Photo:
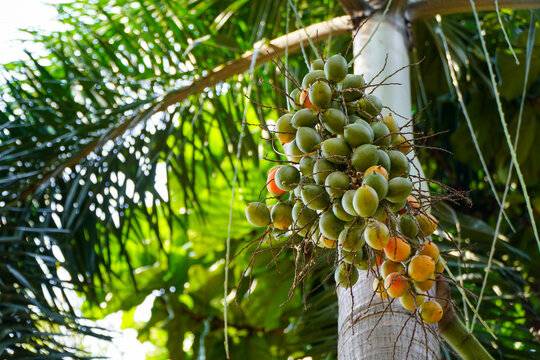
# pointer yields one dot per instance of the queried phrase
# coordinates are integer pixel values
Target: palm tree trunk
(368, 327)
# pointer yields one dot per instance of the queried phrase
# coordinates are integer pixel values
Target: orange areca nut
(430, 249)
(396, 284)
(424, 285)
(427, 223)
(271, 182)
(397, 249)
(389, 266)
(431, 312)
(421, 268)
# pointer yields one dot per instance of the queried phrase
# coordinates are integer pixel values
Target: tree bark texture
(368, 327)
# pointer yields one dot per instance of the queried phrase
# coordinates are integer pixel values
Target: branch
(274, 48)
(429, 8)
(267, 51)
(452, 329)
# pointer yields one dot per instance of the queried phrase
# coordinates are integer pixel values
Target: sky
(16, 14)
(38, 15)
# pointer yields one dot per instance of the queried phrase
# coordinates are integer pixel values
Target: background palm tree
(108, 198)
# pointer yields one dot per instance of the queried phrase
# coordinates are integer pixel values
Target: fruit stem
(454, 332)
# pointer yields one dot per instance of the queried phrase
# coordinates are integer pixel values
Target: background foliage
(147, 213)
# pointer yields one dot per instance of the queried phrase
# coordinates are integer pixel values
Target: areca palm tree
(119, 148)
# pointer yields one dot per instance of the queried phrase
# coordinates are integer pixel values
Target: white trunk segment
(395, 335)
